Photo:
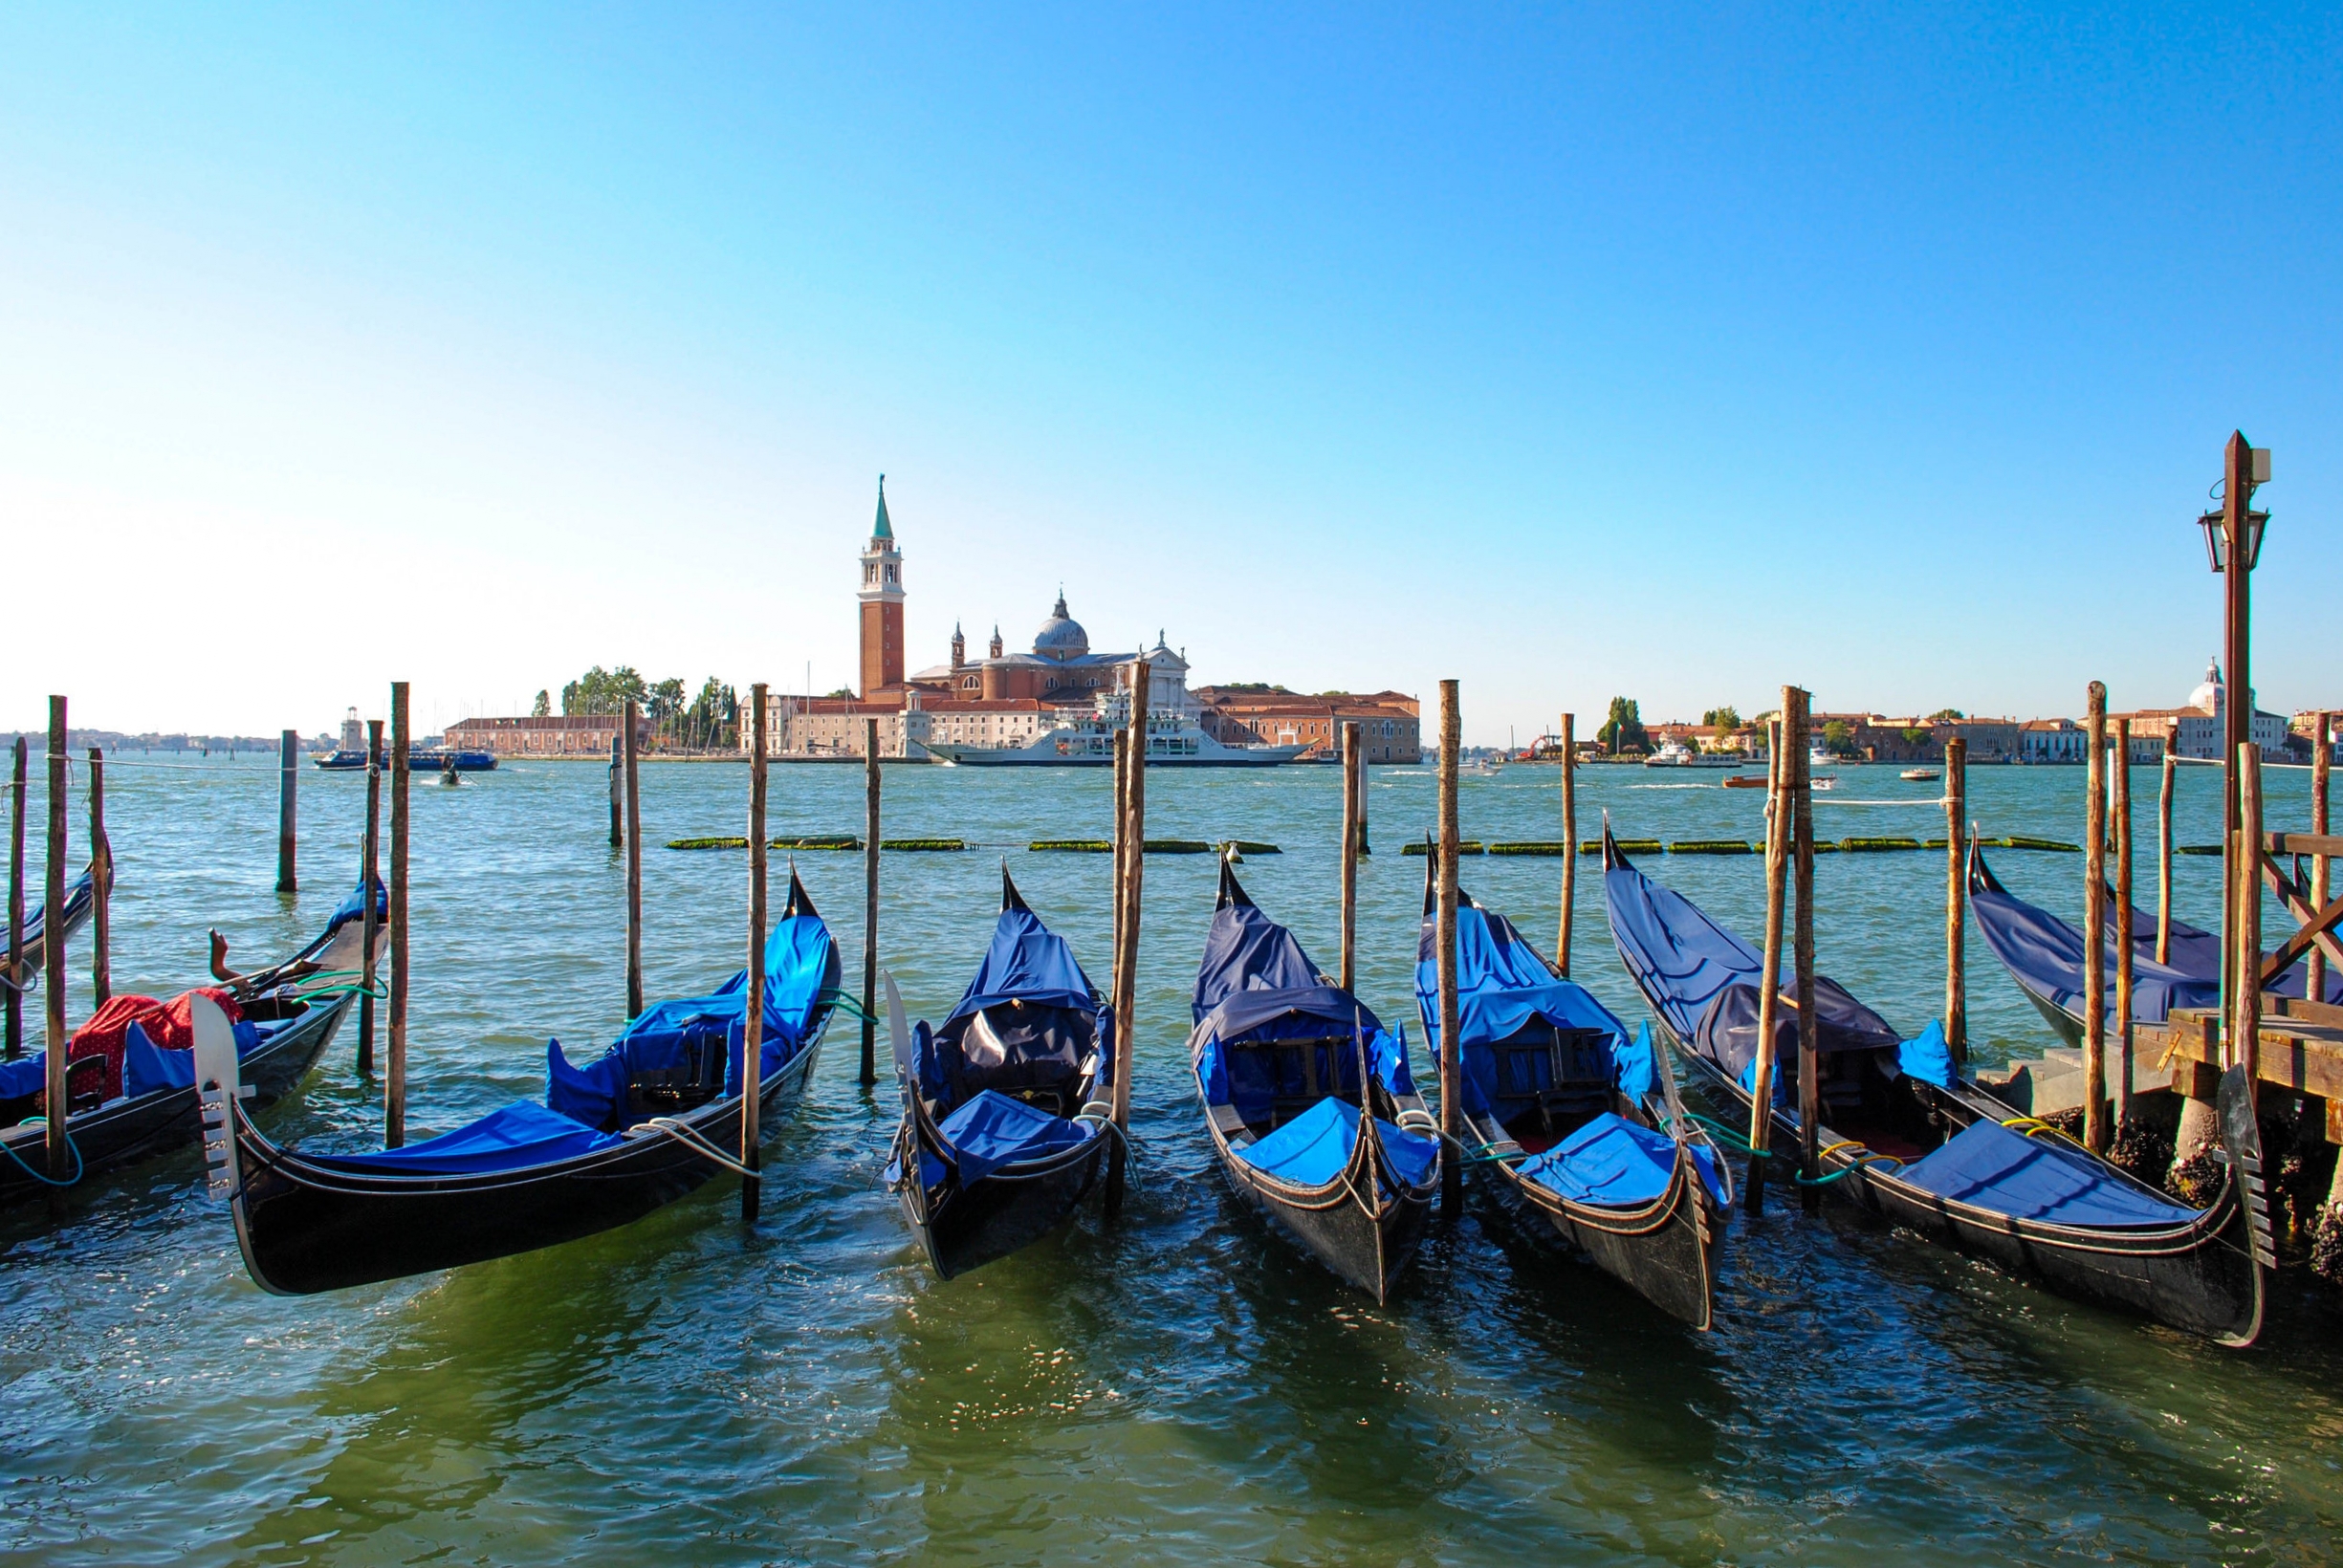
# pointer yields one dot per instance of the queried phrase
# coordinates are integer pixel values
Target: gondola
(647, 1123)
(130, 1084)
(81, 900)
(1006, 1115)
(1309, 1099)
(1908, 1140)
(2044, 955)
(1574, 1118)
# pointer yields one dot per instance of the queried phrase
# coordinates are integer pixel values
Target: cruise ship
(1172, 742)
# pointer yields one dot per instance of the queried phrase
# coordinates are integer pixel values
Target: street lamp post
(2233, 546)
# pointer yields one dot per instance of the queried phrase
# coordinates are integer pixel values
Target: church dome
(1061, 636)
(2207, 696)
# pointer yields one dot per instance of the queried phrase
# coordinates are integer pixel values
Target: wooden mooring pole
(2126, 1038)
(2163, 844)
(1809, 1038)
(53, 959)
(753, 1042)
(288, 809)
(631, 746)
(1569, 843)
(2094, 922)
(869, 1072)
(394, 1082)
(618, 798)
(1120, 845)
(2245, 894)
(1957, 904)
(1129, 830)
(369, 877)
(16, 907)
(1769, 974)
(2322, 758)
(101, 889)
(1351, 786)
(1444, 940)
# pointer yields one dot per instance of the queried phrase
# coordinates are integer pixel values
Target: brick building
(554, 735)
(1391, 723)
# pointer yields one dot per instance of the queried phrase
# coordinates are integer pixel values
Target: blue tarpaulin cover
(354, 906)
(1613, 1163)
(1028, 962)
(1989, 1166)
(993, 1130)
(1502, 986)
(519, 1135)
(1314, 1148)
(1638, 1065)
(1927, 1056)
(24, 1075)
(1004, 1031)
(1681, 958)
(146, 1067)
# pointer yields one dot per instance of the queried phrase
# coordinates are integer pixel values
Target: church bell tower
(882, 600)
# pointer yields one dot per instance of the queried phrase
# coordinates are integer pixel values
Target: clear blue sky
(1565, 351)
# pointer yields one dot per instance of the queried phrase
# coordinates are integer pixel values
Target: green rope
(1726, 1136)
(46, 1181)
(845, 1003)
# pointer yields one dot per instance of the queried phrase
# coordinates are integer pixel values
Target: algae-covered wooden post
(2246, 1012)
(1444, 940)
(101, 887)
(1350, 855)
(2322, 758)
(1569, 843)
(394, 1080)
(628, 740)
(2094, 922)
(369, 877)
(2124, 1033)
(752, 1028)
(617, 797)
(288, 809)
(1769, 974)
(16, 907)
(868, 1073)
(1132, 831)
(52, 958)
(2163, 845)
(1955, 904)
(1809, 1038)
(1120, 847)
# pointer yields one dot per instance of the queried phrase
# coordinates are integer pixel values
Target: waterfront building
(550, 735)
(2197, 726)
(1391, 723)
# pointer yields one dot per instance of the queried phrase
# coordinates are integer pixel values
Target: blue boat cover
(1636, 1065)
(1680, 957)
(24, 1075)
(2045, 955)
(993, 1130)
(801, 964)
(147, 1067)
(1245, 951)
(1502, 987)
(354, 906)
(1927, 1056)
(1314, 1148)
(1612, 1162)
(521, 1135)
(1029, 962)
(1989, 1166)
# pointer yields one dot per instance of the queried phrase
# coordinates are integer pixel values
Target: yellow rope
(2030, 1125)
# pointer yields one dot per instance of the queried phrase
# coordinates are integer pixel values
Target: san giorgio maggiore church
(1001, 699)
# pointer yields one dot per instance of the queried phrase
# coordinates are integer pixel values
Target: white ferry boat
(1677, 755)
(1173, 743)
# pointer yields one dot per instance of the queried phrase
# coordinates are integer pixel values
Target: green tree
(1917, 736)
(1623, 730)
(1943, 714)
(1726, 720)
(1839, 738)
(543, 707)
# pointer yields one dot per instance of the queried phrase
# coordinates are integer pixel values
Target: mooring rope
(691, 1140)
(45, 1181)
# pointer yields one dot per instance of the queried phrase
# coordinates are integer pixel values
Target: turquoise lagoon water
(1181, 1386)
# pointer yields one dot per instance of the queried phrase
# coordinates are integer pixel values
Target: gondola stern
(801, 901)
(2241, 1134)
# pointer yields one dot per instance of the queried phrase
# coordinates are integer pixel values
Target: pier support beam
(1352, 785)
(2126, 1035)
(1130, 830)
(1809, 1038)
(634, 865)
(2163, 844)
(1769, 982)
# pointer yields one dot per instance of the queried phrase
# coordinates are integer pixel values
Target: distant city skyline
(1572, 355)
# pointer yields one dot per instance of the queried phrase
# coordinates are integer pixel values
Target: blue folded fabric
(1612, 1162)
(24, 1075)
(1989, 1166)
(993, 1130)
(147, 1067)
(1311, 1149)
(518, 1136)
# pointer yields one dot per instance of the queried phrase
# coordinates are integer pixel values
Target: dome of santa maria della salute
(1061, 636)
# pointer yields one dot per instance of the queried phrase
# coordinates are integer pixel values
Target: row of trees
(709, 720)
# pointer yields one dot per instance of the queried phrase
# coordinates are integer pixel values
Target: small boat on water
(81, 899)
(1006, 1120)
(1675, 753)
(1922, 775)
(1747, 781)
(2044, 955)
(130, 1069)
(644, 1124)
(1910, 1141)
(1309, 1099)
(1574, 1118)
(1172, 742)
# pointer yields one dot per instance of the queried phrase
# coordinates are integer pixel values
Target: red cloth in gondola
(169, 1025)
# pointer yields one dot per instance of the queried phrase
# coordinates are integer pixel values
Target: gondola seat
(1612, 1161)
(1035, 1054)
(1989, 1166)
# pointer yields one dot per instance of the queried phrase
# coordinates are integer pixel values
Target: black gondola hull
(966, 1228)
(307, 1228)
(131, 1131)
(1666, 1250)
(1364, 1236)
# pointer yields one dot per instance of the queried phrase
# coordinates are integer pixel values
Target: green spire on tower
(884, 530)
